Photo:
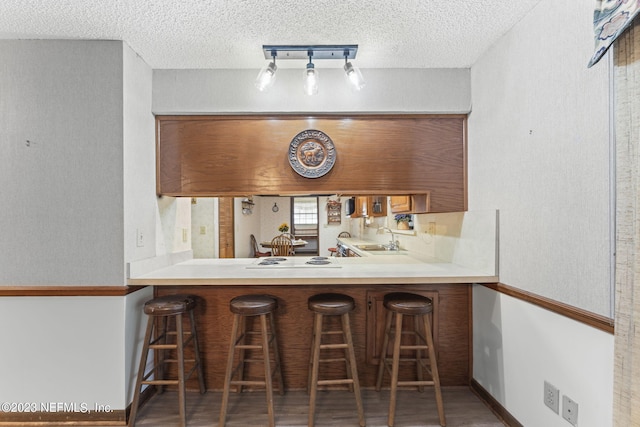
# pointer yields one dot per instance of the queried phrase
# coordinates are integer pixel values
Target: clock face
(312, 153)
(275, 207)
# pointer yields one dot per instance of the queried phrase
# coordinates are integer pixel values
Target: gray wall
(71, 197)
(61, 191)
(539, 152)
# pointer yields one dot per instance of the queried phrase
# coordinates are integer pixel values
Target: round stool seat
(406, 303)
(331, 304)
(169, 305)
(253, 305)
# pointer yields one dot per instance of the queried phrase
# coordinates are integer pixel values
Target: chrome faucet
(394, 245)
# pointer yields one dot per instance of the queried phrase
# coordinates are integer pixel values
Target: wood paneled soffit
(201, 156)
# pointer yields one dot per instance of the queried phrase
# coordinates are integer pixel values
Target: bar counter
(375, 269)
(366, 279)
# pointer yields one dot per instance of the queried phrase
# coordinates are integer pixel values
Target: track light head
(267, 76)
(310, 79)
(354, 76)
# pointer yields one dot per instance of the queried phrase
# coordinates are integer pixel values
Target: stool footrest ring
(161, 382)
(335, 382)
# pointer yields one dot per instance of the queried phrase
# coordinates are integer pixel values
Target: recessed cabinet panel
(413, 203)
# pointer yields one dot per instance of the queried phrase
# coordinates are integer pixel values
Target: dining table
(296, 243)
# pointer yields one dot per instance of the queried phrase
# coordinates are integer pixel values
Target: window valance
(610, 19)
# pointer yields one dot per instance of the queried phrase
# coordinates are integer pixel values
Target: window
(304, 221)
(305, 211)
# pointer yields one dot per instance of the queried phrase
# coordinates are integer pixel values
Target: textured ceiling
(230, 33)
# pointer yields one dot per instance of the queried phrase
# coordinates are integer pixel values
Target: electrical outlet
(185, 236)
(203, 229)
(551, 397)
(569, 410)
(431, 228)
(139, 238)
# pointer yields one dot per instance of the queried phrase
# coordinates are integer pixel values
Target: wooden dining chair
(282, 246)
(289, 235)
(256, 249)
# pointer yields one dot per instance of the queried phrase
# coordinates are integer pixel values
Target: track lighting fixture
(310, 78)
(354, 76)
(266, 77)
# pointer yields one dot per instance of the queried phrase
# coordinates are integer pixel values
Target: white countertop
(379, 269)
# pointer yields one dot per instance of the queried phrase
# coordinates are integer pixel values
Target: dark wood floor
(334, 408)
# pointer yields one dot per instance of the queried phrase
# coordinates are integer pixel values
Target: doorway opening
(304, 223)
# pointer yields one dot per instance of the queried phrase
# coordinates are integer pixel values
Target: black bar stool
(162, 309)
(243, 307)
(332, 305)
(403, 304)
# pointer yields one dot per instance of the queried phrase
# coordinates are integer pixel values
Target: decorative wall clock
(312, 153)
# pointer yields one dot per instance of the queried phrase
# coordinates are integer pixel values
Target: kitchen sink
(379, 249)
(372, 247)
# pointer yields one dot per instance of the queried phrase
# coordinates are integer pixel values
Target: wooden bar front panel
(200, 156)
(294, 323)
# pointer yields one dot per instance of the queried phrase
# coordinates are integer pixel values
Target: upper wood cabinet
(370, 206)
(410, 203)
(400, 204)
(243, 155)
(377, 206)
(360, 208)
